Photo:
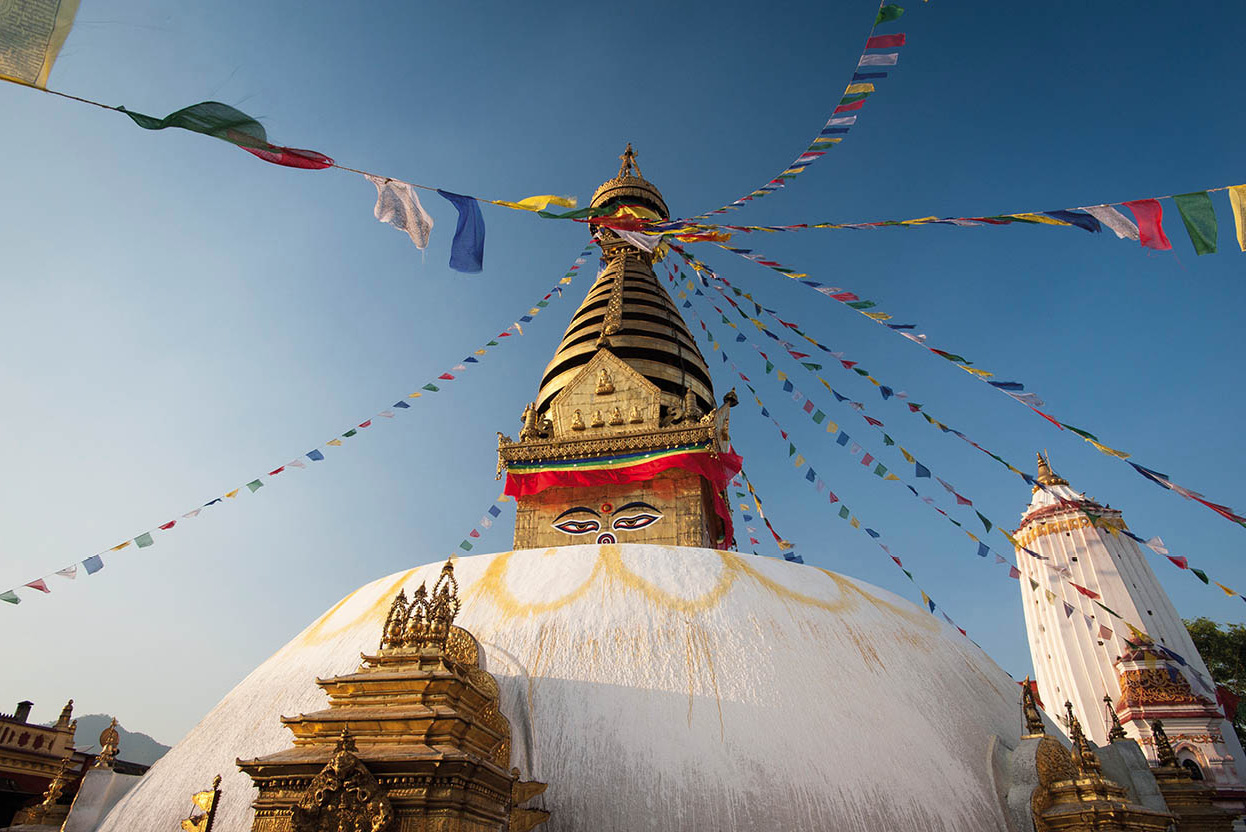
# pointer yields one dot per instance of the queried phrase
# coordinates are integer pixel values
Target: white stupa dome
(665, 688)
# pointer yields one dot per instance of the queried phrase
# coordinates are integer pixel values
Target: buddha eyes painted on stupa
(626, 518)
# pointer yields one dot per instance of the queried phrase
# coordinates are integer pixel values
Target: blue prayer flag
(316, 456)
(921, 470)
(93, 564)
(402, 405)
(494, 510)
(842, 439)
(467, 251)
(983, 550)
(1078, 218)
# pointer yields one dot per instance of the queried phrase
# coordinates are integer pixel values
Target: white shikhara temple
(1131, 672)
(623, 669)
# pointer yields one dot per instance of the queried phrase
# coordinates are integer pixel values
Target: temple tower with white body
(1082, 654)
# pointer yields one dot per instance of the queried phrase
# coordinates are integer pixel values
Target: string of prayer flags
(785, 546)
(467, 251)
(398, 204)
(1010, 388)
(485, 522)
(221, 121)
(819, 416)
(148, 538)
(31, 37)
(837, 125)
(538, 203)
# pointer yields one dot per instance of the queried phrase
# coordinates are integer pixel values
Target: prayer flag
(1115, 220)
(1104, 632)
(316, 455)
(32, 32)
(40, 585)
(93, 564)
(467, 251)
(9, 596)
(1200, 220)
(144, 540)
(168, 525)
(1150, 217)
(886, 59)
(1091, 594)
(398, 204)
(1237, 200)
(255, 485)
(888, 13)
(1068, 609)
(71, 572)
(212, 118)
(1200, 574)
(885, 41)
(983, 549)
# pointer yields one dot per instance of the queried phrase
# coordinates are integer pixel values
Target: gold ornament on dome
(424, 621)
(205, 801)
(1029, 711)
(343, 797)
(109, 744)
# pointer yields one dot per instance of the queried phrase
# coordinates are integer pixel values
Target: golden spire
(425, 620)
(1164, 754)
(110, 742)
(1029, 710)
(1045, 475)
(1115, 730)
(629, 163)
(1083, 755)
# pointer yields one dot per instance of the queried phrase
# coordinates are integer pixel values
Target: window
(1196, 773)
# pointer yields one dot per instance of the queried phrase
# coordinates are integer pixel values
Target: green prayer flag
(541, 304)
(809, 365)
(862, 304)
(844, 512)
(255, 485)
(791, 449)
(1200, 220)
(10, 596)
(849, 99)
(465, 546)
(144, 540)
(492, 344)
(906, 572)
(769, 367)
(1202, 576)
(1084, 434)
(860, 371)
(880, 471)
(350, 433)
(986, 523)
(210, 118)
(818, 417)
(887, 440)
(430, 386)
(888, 13)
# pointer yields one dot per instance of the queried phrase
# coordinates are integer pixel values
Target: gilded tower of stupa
(625, 442)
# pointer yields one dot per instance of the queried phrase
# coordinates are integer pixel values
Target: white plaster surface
(662, 688)
(101, 789)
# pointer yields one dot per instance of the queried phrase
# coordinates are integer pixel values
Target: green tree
(1223, 648)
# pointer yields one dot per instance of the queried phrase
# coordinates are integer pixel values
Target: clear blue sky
(179, 317)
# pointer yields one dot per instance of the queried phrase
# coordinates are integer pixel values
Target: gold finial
(425, 620)
(109, 744)
(1045, 475)
(1166, 757)
(1083, 755)
(1116, 731)
(66, 713)
(629, 163)
(346, 740)
(1029, 710)
(395, 622)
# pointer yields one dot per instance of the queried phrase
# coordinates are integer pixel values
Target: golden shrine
(412, 741)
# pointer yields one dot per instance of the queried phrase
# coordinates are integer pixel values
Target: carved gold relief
(343, 797)
(1154, 686)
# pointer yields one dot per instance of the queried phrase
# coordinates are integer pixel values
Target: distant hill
(135, 747)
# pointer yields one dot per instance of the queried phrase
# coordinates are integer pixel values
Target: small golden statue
(205, 802)
(605, 385)
(598, 420)
(110, 742)
(634, 417)
(577, 421)
(616, 417)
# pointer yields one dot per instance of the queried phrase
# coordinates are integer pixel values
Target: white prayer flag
(398, 205)
(1115, 220)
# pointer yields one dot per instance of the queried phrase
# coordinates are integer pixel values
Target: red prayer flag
(1013, 572)
(1150, 216)
(168, 525)
(1048, 418)
(1089, 593)
(274, 472)
(39, 585)
(897, 560)
(1223, 511)
(290, 157)
(808, 408)
(873, 421)
(885, 41)
(366, 424)
(847, 108)
(446, 376)
(754, 541)
(474, 533)
(1179, 560)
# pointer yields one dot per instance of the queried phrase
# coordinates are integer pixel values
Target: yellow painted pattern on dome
(315, 634)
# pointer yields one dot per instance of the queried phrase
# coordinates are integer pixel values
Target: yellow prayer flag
(878, 316)
(480, 352)
(503, 498)
(918, 221)
(683, 295)
(782, 375)
(565, 280)
(853, 89)
(972, 536)
(800, 460)
(828, 140)
(1045, 220)
(1237, 199)
(539, 203)
(1227, 591)
(335, 442)
(854, 522)
(785, 545)
(891, 477)
(534, 311)
(1109, 451)
(1051, 596)
(976, 371)
(414, 395)
(232, 494)
(1011, 539)
(32, 33)
(873, 381)
(831, 427)
(120, 546)
(908, 457)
